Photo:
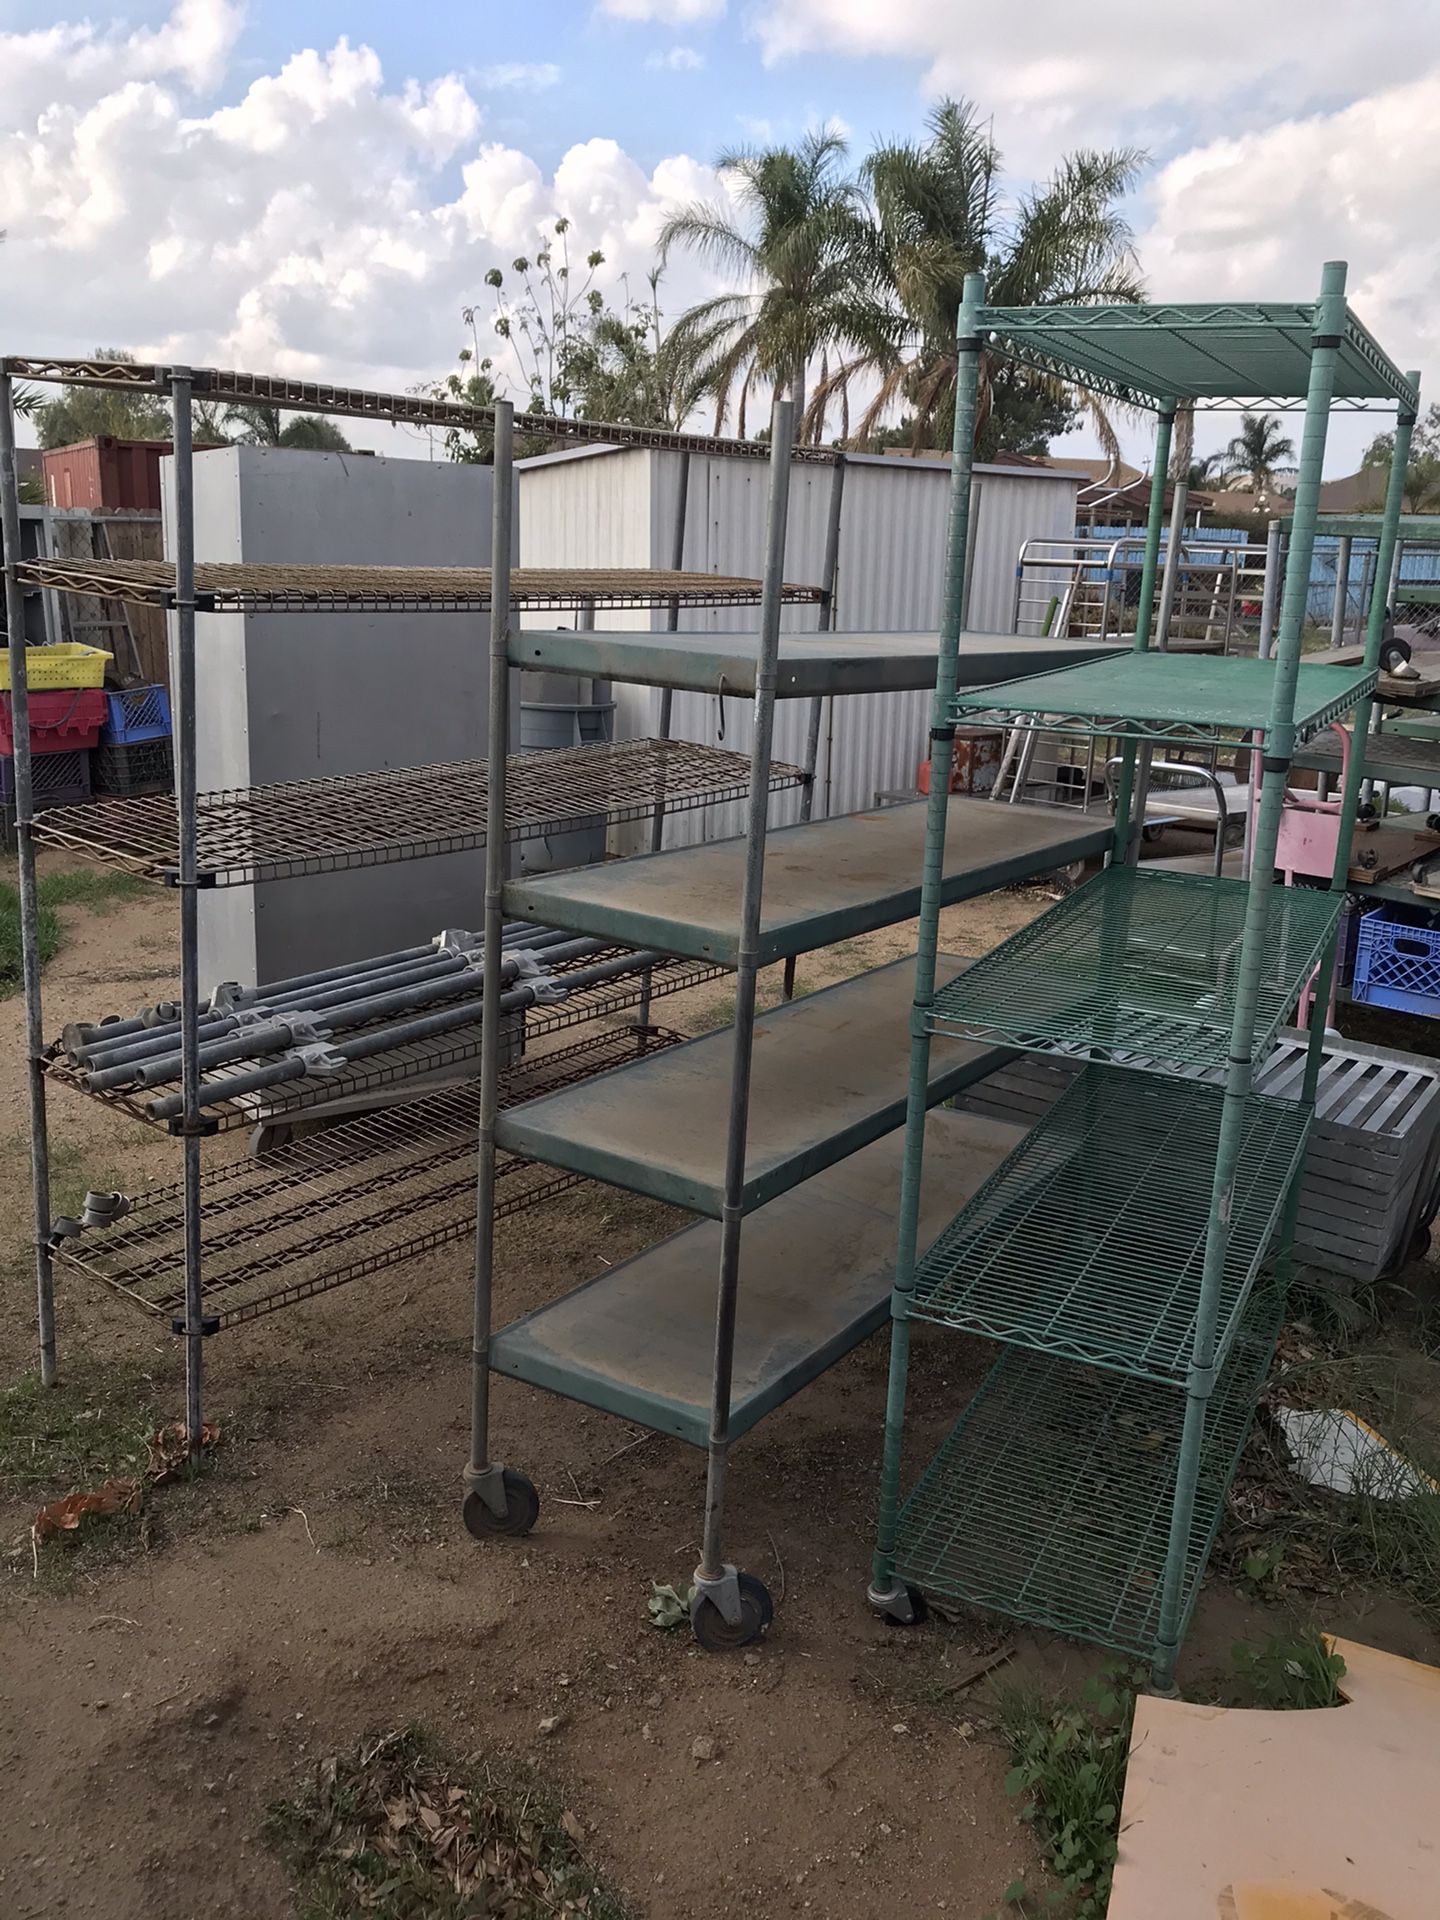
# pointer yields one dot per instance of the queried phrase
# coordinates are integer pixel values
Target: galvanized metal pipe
(29, 899)
(365, 1046)
(1144, 614)
(969, 346)
(254, 1041)
(501, 536)
(1270, 589)
(829, 568)
(1329, 326)
(237, 1040)
(185, 792)
(782, 433)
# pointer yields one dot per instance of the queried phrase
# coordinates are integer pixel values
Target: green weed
(1068, 1761)
(1289, 1671)
(96, 890)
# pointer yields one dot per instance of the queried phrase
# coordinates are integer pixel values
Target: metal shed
(616, 506)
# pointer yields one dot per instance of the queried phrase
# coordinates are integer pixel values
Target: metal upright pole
(1355, 771)
(193, 1124)
(497, 1500)
(672, 625)
(29, 902)
(829, 568)
(716, 1583)
(667, 702)
(1342, 590)
(1170, 576)
(1144, 615)
(1270, 589)
(1329, 327)
(887, 1593)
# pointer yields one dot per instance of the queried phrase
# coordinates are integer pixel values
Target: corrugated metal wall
(585, 509)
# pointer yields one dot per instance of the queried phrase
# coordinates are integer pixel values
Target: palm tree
(794, 251)
(1258, 449)
(263, 427)
(937, 213)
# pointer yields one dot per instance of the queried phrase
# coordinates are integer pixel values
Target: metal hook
(720, 702)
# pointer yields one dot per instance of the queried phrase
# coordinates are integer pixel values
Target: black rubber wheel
(1419, 1248)
(716, 1634)
(522, 1509)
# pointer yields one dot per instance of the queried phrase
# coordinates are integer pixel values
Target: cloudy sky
(318, 188)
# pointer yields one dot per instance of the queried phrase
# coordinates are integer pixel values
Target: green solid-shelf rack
(1181, 699)
(1140, 969)
(1088, 1242)
(1051, 1499)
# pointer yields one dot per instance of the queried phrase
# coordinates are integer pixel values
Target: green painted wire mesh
(1089, 1240)
(1050, 1501)
(1140, 969)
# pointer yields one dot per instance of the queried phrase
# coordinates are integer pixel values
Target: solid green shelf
(1050, 1501)
(1180, 698)
(1089, 1241)
(1140, 968)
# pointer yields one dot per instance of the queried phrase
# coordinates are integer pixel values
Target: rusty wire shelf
(353, 1200)
(230, 587)
(226, 386)
(442, 1055)
(302, 827)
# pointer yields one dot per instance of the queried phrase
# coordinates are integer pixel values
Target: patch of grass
(1288, 1671)
(93, 888)
(399, 1828)
(1068, 1762)
(94, 1425)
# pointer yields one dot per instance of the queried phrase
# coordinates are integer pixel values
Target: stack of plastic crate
(134, 754)
(67, 712)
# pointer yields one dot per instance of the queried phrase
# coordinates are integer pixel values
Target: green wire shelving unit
(1129, 1254)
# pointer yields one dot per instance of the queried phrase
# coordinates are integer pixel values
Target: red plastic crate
(62, 720)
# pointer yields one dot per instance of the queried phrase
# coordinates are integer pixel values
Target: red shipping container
(96, 474)
(62, 720)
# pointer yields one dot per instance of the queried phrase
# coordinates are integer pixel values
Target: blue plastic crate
(136, 714)
(1397, 965)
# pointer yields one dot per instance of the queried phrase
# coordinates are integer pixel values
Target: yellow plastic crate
(67, 665)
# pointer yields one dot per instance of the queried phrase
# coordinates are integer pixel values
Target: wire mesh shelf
(1179, 698)
(1141, 969)
(249, 834)
(1051, 1499)
(439, 1055)
(251, 587)
(1089, 1241)
(354, 1199)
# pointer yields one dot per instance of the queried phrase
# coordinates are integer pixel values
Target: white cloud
(669, 13)
(676, 60)
(1255, 216)
(329, 219)
(1130, 67)
(526, 76)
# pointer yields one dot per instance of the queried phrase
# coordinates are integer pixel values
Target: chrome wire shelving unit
(1129, 1254)
(289, 829)
(364, 1195)
(196, 840)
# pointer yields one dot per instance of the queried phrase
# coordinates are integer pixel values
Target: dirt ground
(319, 1583)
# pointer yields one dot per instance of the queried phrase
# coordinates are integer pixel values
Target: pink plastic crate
(62, 720)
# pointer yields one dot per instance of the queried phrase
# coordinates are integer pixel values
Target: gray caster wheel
(719, 1635)
(522, 1509)
(904, 1606)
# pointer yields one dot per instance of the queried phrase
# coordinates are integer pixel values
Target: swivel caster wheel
(903, 1606)
(719, 1635)
(522, 1508)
